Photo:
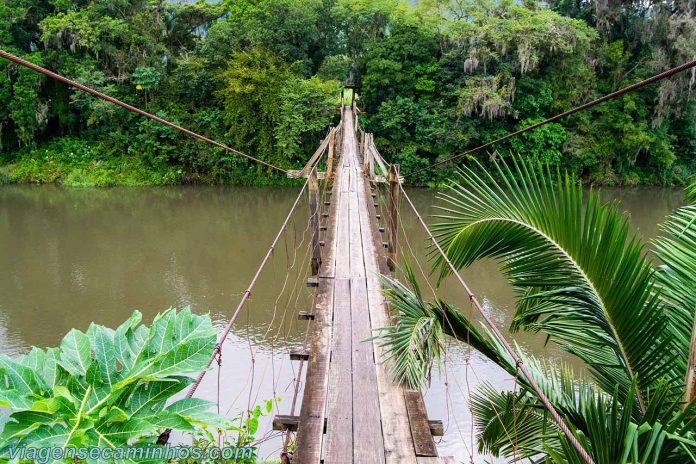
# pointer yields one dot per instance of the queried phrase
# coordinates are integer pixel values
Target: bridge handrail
(164, 436)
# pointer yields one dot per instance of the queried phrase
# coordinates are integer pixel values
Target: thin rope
(164, 437)
(115, 101)
(518, 362)
(607, 97)
(298, 380)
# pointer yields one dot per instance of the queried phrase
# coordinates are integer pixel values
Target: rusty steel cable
(518, 361)
(607, 97)
(164, 437)
(115, 101)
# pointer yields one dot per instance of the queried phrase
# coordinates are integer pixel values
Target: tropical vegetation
(435, 77)
(112, 388)
(587, 284)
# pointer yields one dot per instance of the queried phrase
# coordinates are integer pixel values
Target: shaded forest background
(264, 77)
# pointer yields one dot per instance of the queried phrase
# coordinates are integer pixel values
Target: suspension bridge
(351, 410)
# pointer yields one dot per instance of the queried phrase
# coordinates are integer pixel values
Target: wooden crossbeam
(288, 423)
(299, 356)
(305, 316)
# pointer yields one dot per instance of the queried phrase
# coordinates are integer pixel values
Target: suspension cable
(115, 101)
(164, 437)
(518, 361)
(607, 97)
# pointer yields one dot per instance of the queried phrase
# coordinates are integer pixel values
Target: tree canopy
(434, 78)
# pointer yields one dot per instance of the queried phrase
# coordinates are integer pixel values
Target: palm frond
(582, 278)
(414, 342)
(512, 424)
(691, 192)
(603, 423)
(677, 276)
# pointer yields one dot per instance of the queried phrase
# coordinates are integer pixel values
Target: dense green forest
(264, 77)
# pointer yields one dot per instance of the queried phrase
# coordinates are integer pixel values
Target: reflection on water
(72, 256)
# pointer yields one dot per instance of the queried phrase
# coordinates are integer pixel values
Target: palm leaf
(582, 278)
(691, 193)
(602, 422)
(677, 276)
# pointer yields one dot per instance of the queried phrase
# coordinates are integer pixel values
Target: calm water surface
(72, 256)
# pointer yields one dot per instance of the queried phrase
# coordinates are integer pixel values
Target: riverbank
(75, 162)
(80, 163)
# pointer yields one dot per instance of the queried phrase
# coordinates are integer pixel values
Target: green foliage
(106, 387)
(245, 426)
(268, 108)
(477, 70)
(145, 77)
(435, 78)
(544, 144)
(586, 283)
(306, 109)
(80, 163)
(691, 193)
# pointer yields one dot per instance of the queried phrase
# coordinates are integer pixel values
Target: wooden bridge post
(361, 148)
(371, 167)
(394, 188)
(329, 161)
(313, 185)
(366, 153)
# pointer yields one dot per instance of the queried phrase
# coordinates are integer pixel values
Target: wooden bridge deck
(351, 409)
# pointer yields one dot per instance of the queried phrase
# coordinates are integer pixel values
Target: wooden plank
(393, 218)
(357, 261)
(343, 237)
(380, 160)
(297, 173)
(437, 428)
(313, 410)
(398, 444)
(423, 441)
(339, 427)
(367, 423)
(299, 355)
(440, 460)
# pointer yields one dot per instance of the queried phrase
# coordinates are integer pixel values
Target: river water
(72, 256)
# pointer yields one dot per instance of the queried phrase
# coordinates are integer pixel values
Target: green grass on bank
(82, 163)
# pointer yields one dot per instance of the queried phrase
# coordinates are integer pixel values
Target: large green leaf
(107, 387)
(76, 352)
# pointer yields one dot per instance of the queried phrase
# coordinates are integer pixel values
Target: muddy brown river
(72, 256)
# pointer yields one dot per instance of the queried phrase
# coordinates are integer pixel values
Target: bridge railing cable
(491, 325)
(132, 108)
(618, 93)
(164, 437)
(245, 297)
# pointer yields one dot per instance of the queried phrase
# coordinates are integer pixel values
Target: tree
(587, 284)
